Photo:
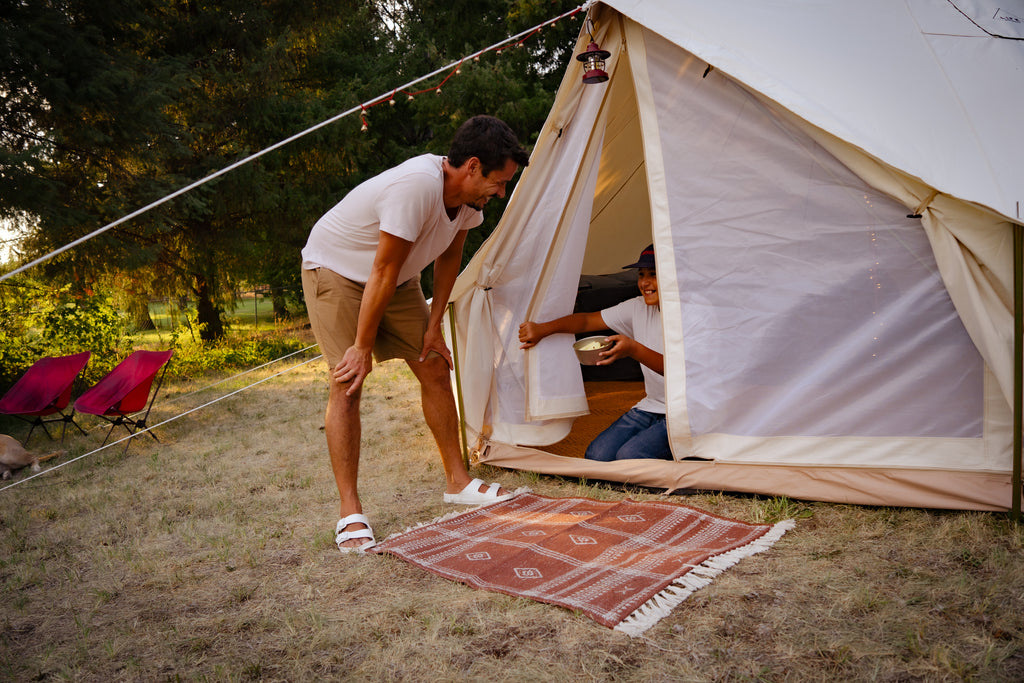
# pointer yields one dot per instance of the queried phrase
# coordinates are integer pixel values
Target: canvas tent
(832, 190)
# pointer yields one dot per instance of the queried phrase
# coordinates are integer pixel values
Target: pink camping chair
(125, 391)
(45, 391)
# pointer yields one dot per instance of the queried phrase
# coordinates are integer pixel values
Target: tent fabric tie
(923, 205)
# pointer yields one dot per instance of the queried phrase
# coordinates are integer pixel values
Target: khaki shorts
(333, 305)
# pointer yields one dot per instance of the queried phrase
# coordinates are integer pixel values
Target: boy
(642, 431)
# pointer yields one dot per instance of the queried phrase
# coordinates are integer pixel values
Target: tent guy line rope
(173, 399)
(240, 374)
(160, 424)
(360, 108)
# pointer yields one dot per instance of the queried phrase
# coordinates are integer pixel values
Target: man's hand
(433, 340)
(355, 365)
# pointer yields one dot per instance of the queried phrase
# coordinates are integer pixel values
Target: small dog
(13, 456)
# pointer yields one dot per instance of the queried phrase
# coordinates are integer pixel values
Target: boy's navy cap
(646, 259)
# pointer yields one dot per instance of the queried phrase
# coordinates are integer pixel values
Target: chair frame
(57, 407)
(134, 425)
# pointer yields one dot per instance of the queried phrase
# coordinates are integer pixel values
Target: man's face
(483, 187)
(648, 284)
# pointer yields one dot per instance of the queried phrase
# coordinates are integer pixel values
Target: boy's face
(648, 284)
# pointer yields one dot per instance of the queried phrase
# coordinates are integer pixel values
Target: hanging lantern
(593, 63)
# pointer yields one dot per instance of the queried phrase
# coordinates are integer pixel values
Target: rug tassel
(658, 607)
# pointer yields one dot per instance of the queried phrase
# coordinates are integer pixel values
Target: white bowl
(588, 348)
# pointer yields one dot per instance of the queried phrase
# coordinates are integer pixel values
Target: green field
(250, 313)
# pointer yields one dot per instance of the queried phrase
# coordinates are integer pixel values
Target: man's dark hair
(490, 140)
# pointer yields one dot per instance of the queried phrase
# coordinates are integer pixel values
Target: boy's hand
(622, 347)
(529, 335)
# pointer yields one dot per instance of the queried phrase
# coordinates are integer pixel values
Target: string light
(874, 277)
(457, 70)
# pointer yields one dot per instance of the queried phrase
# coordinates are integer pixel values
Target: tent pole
(1018, 364)
(458, 385)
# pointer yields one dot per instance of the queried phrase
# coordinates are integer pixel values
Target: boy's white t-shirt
(405, 201)
(641, 322)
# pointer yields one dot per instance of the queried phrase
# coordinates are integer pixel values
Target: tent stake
(1018, 363)
(458, 384)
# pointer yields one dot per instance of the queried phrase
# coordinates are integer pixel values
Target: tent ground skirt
(852, 485)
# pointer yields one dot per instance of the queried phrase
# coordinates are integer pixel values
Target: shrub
(192, 359)
(38, 322)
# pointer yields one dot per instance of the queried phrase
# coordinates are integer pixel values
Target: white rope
(179, 397)
(282, 143)
(167, 421)
(240, 374)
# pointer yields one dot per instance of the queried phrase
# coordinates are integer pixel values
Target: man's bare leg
(443, 420)
(343, 430)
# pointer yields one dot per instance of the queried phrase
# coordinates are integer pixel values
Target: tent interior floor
(607, 400)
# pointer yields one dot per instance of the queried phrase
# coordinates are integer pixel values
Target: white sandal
(471, 494)
(342, 535)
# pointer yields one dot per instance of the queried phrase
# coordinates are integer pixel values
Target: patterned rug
(624, 564)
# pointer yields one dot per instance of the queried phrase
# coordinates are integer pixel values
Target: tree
(125, 102)
(111, 105)
(81, 129)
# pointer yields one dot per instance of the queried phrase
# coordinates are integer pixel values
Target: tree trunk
(280, 309)
(138, 312)
(211, 327)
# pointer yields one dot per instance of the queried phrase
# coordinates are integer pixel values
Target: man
(360, 277)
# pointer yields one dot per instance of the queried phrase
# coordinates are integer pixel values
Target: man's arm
(446, 270)
(357, 362)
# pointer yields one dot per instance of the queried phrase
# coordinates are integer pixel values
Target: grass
(209, 557)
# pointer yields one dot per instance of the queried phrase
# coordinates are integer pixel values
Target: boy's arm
(530, 332)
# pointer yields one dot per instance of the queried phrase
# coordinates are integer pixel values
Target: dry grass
(210, 557)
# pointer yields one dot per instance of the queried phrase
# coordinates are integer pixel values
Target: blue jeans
(637, 434)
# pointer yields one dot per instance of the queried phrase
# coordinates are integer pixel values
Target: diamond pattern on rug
(624, 564)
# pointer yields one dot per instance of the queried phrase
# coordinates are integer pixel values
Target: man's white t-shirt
(405, 201)
(641, 322)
